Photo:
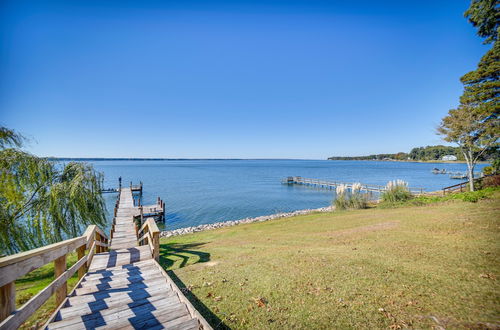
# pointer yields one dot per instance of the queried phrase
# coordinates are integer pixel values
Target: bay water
(207, 191)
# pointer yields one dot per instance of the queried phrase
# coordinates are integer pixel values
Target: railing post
(80, 254)
(59, 268)
(7, 300)
(142, 215)
(156, 244)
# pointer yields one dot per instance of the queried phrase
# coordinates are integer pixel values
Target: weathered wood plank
(123, 315)
(105, 295)
(120, 285)
(116, 305)
(15, 320)
(7, 300)
(18, 265)
(59, 269)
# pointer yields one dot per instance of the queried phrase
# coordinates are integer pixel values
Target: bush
(468, 196)
(487, 170)
(496, 166)
(491, 181)
(396, 191)
(353, 200)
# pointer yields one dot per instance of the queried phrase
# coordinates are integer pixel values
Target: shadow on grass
(187, 253)
(184, 252)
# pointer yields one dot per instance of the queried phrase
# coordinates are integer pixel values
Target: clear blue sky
(235, 79)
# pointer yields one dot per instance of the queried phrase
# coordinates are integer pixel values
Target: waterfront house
(449, 157)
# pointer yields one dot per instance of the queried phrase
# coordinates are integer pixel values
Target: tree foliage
(485, 16)
(474, 124)
(42, 201)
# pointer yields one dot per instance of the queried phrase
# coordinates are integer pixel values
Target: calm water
(205, 191)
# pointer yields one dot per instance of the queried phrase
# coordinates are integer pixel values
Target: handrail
(367, 187)
(463, 184)
(15, 266)
(151, 236)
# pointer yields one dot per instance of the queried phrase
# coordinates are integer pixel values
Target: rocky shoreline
(210, 226)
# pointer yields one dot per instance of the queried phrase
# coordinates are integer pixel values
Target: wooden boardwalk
(126, 288)
(333, 184)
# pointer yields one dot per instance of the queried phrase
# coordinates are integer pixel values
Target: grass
(32, 283)
(412, 266)
(468, 196)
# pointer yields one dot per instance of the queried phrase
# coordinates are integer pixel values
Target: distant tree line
(424, 153)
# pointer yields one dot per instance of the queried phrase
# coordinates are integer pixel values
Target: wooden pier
(334, 184)
(121, 284)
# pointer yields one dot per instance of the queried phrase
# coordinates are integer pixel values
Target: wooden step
(122, 285)
(121, 302)
(102, 282)
(120, 257)
(104, 295)
(152, 313)
(134, 268)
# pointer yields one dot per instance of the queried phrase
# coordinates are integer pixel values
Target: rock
(188, 230)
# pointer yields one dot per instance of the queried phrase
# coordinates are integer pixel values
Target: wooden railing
(150, 234)
(117, 204)
(331, 184)
(16, 266)
(462, 185)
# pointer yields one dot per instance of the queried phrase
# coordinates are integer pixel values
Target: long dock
(121, 284)
(334, 184)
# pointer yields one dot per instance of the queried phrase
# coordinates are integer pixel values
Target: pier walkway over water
(121, 286)
(333, 184)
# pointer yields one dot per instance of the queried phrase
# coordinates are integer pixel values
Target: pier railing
(334, 184)
(16, 266)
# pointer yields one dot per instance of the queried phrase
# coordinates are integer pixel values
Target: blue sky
(235, 79)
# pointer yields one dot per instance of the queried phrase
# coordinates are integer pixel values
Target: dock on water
(121, 284)
(291, 180)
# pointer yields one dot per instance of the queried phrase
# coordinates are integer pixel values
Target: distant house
(449, 157)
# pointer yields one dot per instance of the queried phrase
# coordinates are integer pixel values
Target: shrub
(353, 200)
(487, 170)
(357, 200)
(491, 181)
(396, 191)
(496, 166)
(341, 201)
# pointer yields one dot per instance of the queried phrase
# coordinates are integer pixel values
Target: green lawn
(420, 266)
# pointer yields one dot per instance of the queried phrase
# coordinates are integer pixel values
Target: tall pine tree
(474, 125)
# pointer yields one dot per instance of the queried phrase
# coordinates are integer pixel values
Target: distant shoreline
(410, 161)
(191, 159)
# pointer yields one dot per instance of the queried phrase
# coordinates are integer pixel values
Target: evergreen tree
(474, 125)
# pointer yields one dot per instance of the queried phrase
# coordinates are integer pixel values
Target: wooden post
(7, 300)
(80, 254)
(142, 215)
(156, 244)
(59, 268)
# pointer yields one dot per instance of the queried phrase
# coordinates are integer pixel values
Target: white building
(449, 157)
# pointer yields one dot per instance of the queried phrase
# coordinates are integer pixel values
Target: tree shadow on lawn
(186, 253)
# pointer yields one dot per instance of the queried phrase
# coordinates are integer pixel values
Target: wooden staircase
(123, 288)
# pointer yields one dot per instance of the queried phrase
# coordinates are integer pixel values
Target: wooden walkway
(124, 235)
(333, 184)
(126, 288)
